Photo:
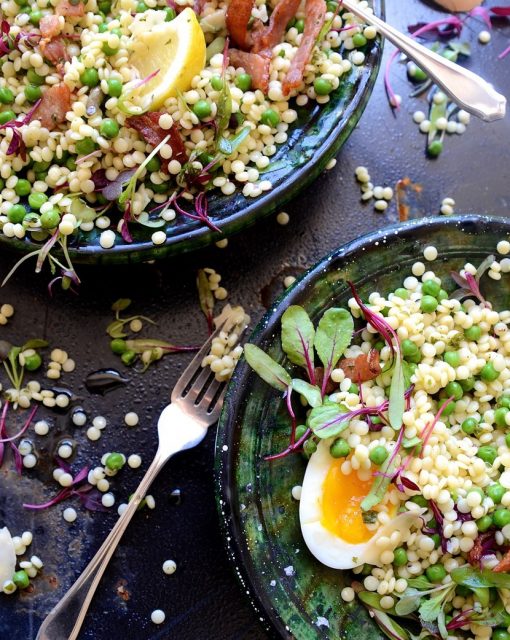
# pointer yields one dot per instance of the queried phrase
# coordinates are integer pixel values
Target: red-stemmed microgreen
(10, 43)
(298, 335)
(201, 214)
(10, 440)
(470, 284)
(17, 144)
(127, 93)
(16, 436)
(429, 428)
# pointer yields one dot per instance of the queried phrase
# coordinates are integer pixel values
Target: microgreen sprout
(470, 285)
(129, 91)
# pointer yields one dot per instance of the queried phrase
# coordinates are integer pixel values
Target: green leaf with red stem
(298, 336)
(267, 368)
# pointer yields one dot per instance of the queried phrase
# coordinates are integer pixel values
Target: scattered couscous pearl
(331, 164)
(347, 594)
(222, 244)
(395, 100)
(107, 239)
(7, 310)
(446, 210)
(29, 461)
(41, 427)
(220, 293)
(65, 479)
(103, 485)
(357, 58)
(131, 419)
(439, 97)
(150, 502)
(484, 37)
(380, 205)
(283, 218)
(296, 492)
(169, 567)
(93, 433)
(288, 281)
(464, 117)
(430, 253)
(134, 461)
(158, 237)
(419, 117)
(158, 616)
(503, 247)
(69, 514)
(108, 500)
(425, 126)
(136, 325)
(418, 269)
(99, 422)
(65, 451)
(79, 418)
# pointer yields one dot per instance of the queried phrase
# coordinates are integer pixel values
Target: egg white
(7, 556)
(329, 549)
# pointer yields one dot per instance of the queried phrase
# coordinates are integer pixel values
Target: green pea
(378, 455)
(452, 358)
(331, 6)
(32, 92)
(109, 51)
(71, 164)
(217, 83)
(437, 540)
(23, 187)
(159, 188)
(473, 333)
(33, 362)
(449, 409)
(339, 448)
(301, 429)
(141, 7)
(118, 346)
(501, 517)
(402, 293)
(6, 116)
(322, 87)
(428, 304)
(435, 573)
(128, 357)
(104, 6)
(415, 358)
(243, 81)
(442, 295)
(2, 184)
(416, 74)
(109, 128)
(409, 348)
(38, 167)
(380, 344)
(115, 461)
(103, 27)
(500, 634)
(35, 17)
(16, 213)
(36, 200)
(487, 453)
(484, 523)
(496, 492)
(114, 87)
(507, 440)
(488, 373)
(467, 384)
(270, 117)
(500, 416)
(202, 109)
(504, 401)
(400, 557)
(34, 78)
(21, 579)
(375, 420)
(449, 54)
(309, 447)
(435, 148)
(420, 501)
(21, 3)
(359, 40)
(90, 78)
(205, 158)
(170, 14)
(469, 426)
(354, 388)
(300, 25)
(6, 95)
(153, 165)
(50, 219)
(453, 389)
(85, 146)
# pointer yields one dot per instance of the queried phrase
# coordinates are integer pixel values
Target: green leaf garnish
(474, 578)
(121, 304)
(333, 336)
(379, 486)
(397, 393)
(267, 368)
(310, 392)
(227, 146)
(298, 338)
(328, 420)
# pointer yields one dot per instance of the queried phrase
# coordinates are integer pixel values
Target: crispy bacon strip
(55, 103)
(265, 38)
(65, 8)
(315, 11)
(54, 51)
(237, 19)
(148, 127)
(254, 64)
(364, 367)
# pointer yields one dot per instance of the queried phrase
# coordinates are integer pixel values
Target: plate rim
(230, 528)
(257, 209)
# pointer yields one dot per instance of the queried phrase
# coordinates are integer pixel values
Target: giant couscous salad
(114, 113)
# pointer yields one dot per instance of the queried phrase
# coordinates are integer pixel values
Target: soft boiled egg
(332, 520)
(7, 556)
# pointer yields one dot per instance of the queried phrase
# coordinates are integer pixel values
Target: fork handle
(467, 89)
(66, 618)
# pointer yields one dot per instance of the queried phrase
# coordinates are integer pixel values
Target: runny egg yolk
(341, 499)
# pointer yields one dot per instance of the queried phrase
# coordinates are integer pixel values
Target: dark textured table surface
(202, 600)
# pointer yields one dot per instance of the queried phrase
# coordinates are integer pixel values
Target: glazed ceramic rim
(263, 206)
(232, 530)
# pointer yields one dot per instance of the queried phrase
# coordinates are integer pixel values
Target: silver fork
(196, 403)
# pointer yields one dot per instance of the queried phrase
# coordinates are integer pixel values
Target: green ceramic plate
(294, 594)
(313, 140)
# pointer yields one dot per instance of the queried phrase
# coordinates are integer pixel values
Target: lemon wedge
(175, 49)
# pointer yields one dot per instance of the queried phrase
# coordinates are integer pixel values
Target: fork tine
(214, 412)
(196, 364)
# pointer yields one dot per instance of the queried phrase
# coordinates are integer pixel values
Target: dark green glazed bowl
(313, 140)
(294, 594)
